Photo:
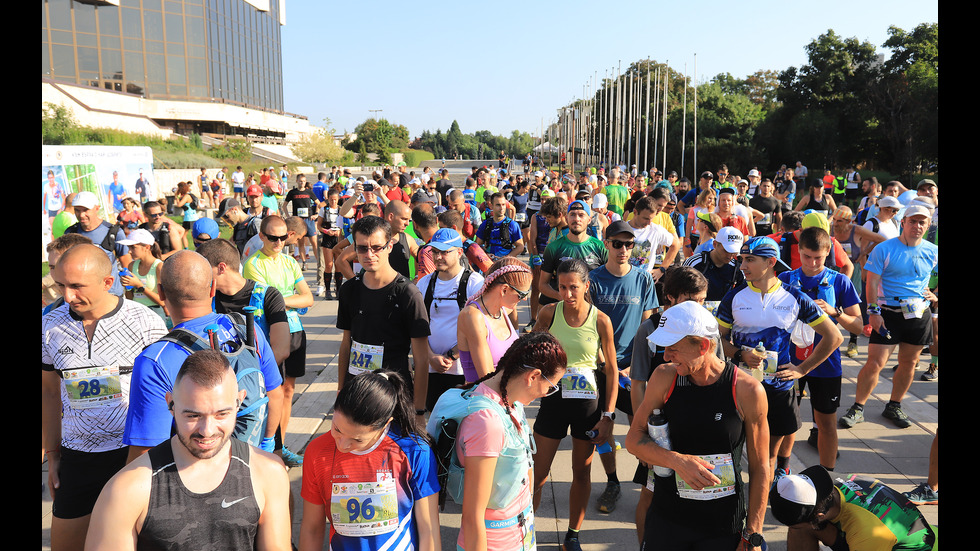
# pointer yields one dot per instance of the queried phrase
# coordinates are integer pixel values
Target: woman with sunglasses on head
(844, 232)
(373, 474)
(497, 452)
(483, 329)
(577, 408)
(141, 282)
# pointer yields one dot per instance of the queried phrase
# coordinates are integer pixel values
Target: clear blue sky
(503, 65)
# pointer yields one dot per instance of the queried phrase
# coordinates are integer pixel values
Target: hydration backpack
(253, 413)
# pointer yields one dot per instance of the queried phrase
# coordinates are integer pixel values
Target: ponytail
(371, 399)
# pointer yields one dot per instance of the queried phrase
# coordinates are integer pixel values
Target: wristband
(737, 357)
(874, 310)
(268, 444)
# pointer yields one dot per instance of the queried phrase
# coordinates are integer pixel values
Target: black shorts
(82, 476)
(663, 533)
(824, 393)
(295, 364)
(557, 417)
(329, 241)
(908, 331)
(784, 411)
(439, 383)
(623, 401)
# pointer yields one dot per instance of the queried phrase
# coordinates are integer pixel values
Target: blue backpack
(253, 413)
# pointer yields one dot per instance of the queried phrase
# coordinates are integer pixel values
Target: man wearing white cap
(849, 512)
(106, 235)
(703, 500)
(719, 265)
(898, 297)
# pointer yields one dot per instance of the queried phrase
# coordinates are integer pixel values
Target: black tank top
(177, 519)
(400, 253)
(703, 421)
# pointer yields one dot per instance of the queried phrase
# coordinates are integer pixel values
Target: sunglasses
(554, 388)
(617, 244)
(363, 249)
(157, 215)
(520, 294)
(275, 237)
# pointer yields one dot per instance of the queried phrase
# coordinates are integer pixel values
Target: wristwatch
(610, 414)
(449, 354)
(754, 539)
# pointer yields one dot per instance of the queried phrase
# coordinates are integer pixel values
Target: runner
(200, 489)
(491, 448)
(373, 475)
(582, 329)
(484, 329)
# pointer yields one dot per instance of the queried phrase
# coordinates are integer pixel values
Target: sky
(509, 65)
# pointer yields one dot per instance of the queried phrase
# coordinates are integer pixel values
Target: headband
(494, 275)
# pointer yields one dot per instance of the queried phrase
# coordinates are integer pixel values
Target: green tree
(454, 139)
(905, 99)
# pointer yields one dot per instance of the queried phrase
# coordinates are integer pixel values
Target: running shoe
(923, 495)
(852, 350)
(571, 544)
(320, 290)
(780, 472)
(931, 374)
(812, 440)
(607, 501)
(529, 327)
(897, 416)
(851, 418)
(290, 458)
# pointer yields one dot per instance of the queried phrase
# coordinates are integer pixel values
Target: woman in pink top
(483, 329)
(493, 449)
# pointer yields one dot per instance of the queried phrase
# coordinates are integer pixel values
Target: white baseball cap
(685, 319)
(730, 238)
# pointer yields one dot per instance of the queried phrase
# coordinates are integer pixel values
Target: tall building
(205, 66)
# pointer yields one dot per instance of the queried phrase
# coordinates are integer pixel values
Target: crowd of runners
(712, 306)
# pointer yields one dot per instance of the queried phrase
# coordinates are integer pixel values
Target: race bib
(912, 308)
(768, 365)
(766, 219)
(712, 306)
(303, 212)
(90, 387)
(520, 217)
(364, 508)
(579, 382)
(723, 468)
(365, 357)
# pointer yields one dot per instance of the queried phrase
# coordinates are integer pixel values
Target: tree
(905, 99)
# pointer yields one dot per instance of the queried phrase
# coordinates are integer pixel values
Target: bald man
(186, 287)
(88, 346)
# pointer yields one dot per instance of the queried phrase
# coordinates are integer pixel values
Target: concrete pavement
(898, 457)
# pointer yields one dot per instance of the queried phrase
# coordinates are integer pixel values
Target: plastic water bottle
(625, 383)
(759, 373)
(660, 433)
(125, 272)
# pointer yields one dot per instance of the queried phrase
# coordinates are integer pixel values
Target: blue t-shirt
(769, 318)
(318, 190)
(493, 244)
(117, 191)
(904, 270)
(837, 290)
(623, 299)
(148, 421)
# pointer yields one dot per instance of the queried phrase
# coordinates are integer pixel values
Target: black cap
(226, 204)
(618, 227)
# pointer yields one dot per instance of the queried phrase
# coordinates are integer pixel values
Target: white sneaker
(321, 291)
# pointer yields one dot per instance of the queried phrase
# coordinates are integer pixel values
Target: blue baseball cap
(205, 225)
(445, 239)
(764, 247)
(579, 204)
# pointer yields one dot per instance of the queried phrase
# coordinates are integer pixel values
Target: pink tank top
(497, 348)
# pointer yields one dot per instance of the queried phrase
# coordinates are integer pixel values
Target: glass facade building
(225, 51)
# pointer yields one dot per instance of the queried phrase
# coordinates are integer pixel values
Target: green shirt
(617, 196)
(592, 251)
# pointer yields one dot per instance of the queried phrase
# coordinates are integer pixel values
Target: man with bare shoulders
(168, 497)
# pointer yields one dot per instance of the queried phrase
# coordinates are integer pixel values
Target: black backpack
(504, 234)
(460, 291)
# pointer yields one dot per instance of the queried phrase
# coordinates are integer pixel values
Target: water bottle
(759, 373)
(659, 432)
(125, 272)
(625, 383)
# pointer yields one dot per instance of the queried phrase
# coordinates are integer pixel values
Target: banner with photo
(110, 172)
